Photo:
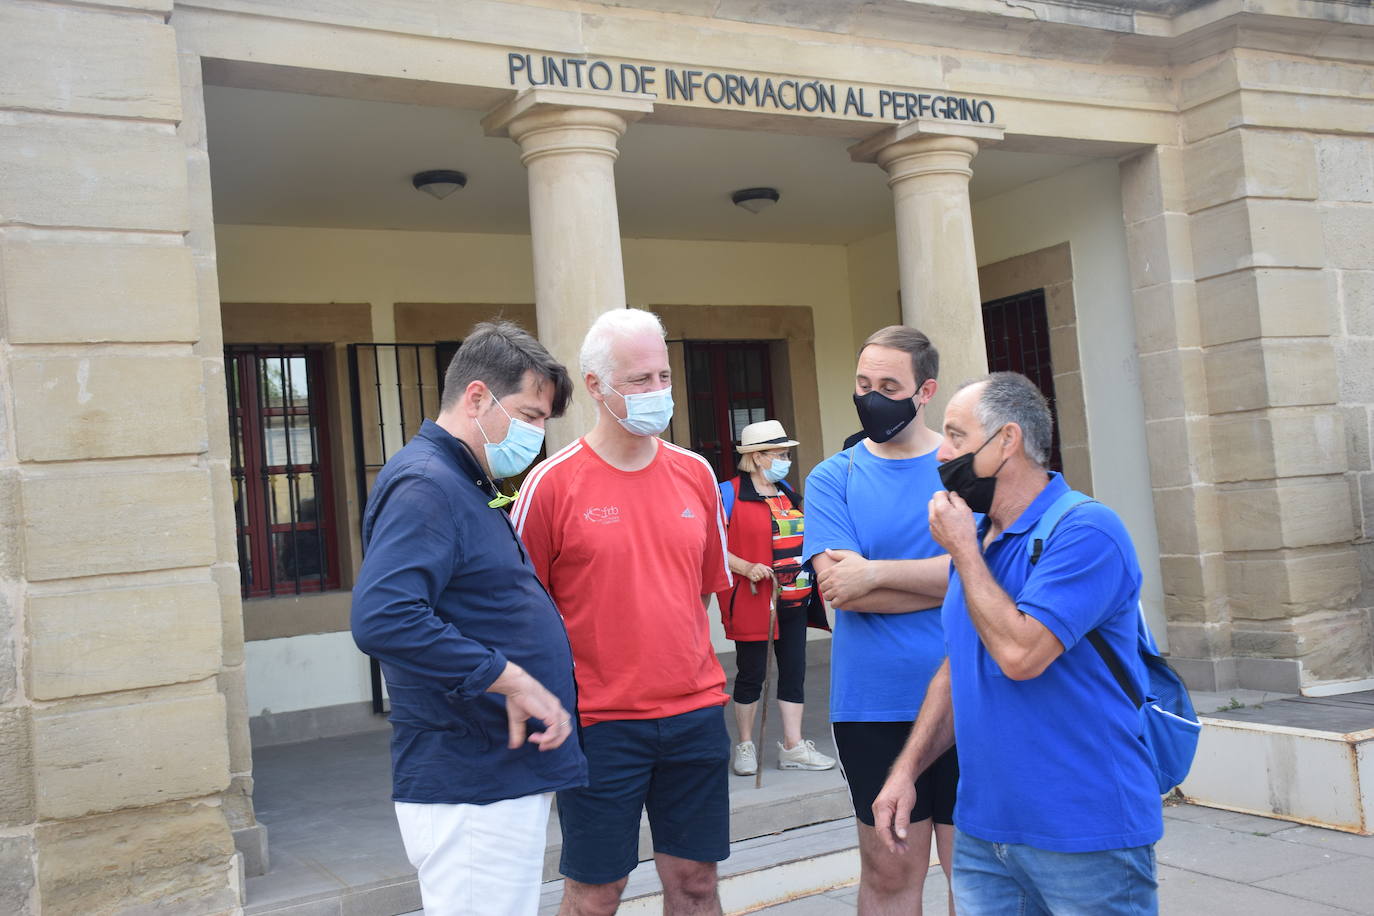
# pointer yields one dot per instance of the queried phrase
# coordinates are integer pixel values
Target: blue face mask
(516, 451)
(646, 413)
(777, 470)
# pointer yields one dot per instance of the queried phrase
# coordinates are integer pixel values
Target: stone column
(568, 143)
(250, 837)
(928, 167)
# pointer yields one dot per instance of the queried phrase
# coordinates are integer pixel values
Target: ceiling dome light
(755, 200)
(439, 183)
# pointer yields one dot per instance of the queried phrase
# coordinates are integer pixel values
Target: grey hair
(597, 355)
(1010, 397)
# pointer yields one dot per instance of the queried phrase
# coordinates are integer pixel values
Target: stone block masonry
(114, 738)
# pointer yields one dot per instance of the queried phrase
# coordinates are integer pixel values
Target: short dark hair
(499, 353)
(925, 359)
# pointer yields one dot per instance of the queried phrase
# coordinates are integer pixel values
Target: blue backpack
(1168, 725)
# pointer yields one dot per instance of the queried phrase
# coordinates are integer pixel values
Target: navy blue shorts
(677, 767)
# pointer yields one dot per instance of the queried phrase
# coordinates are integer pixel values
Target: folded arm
(850, 581)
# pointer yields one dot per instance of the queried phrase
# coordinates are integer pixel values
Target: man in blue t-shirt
(878, 566)
(1058, 808)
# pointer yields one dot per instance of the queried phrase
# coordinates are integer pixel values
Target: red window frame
(259, 521)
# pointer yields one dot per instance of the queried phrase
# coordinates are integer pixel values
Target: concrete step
(1309, 760)
(335, 849)
(801, 807)
(760, 871)
(786, 800)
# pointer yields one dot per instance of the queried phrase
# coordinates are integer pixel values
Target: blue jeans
(1006, 879)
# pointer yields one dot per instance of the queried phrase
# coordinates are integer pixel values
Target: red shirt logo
(603, 515)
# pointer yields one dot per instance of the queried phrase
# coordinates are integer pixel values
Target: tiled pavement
(332, 830)
(1214, 863)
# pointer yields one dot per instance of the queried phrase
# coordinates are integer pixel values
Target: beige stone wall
(1250, 243)
(1345, 193)
(117, 597)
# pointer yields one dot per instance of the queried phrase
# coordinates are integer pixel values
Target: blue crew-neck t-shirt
(1056, 761)
(880, 664)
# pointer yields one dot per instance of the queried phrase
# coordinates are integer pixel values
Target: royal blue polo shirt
(445, 597)
(880, 664)
(1055, 762)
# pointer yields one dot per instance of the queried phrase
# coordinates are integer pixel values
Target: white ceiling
(287, 159)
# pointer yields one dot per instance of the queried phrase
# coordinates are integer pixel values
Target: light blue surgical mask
(517, 450)
(646, 413)
(777, 470)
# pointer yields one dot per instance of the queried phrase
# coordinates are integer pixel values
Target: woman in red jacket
(765, 544)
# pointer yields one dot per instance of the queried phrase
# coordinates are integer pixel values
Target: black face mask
(958, 476)
(883, 417)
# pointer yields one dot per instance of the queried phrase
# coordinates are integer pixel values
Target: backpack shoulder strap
(1035, 546)
(727, 497)
(1040, 534)
(1115, 666)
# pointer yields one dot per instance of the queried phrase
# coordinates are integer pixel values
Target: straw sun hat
(762, 436)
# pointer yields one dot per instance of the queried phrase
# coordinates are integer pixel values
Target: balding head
(1005, 398)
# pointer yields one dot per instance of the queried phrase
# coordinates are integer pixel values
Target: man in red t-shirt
(628, 535)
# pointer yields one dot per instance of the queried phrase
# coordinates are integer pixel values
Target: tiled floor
(1216, 863)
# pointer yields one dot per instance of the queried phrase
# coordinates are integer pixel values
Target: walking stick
(767, 667)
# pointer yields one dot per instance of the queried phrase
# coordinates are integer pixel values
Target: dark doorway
(1016, 330)
(729, 386)
(443, 355)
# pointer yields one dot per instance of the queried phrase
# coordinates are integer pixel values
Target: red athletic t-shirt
(627, 556)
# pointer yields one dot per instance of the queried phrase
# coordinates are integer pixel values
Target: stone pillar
(568, 143)
(113, 749)
(1278, 438)
(1177, 430)
(928, 167)
(1242, 244)
(250, 837)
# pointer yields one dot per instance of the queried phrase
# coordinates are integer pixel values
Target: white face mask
(646, 413)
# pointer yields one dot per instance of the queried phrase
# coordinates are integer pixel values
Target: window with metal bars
(729, 386)
(279, 448)
(1016, 330)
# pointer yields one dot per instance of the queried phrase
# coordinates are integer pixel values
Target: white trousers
(478, 860)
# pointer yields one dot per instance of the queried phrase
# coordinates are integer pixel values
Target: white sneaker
(803, 757)
(744, 761)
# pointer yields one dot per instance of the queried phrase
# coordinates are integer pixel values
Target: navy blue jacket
(445, 597)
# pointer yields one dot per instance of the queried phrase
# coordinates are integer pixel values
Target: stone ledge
(251, 843)
(1299, 759)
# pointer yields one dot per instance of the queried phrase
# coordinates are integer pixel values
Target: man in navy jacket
(476, 659)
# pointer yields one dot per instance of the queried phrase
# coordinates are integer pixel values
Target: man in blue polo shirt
(476, 659)
(1058, 810)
